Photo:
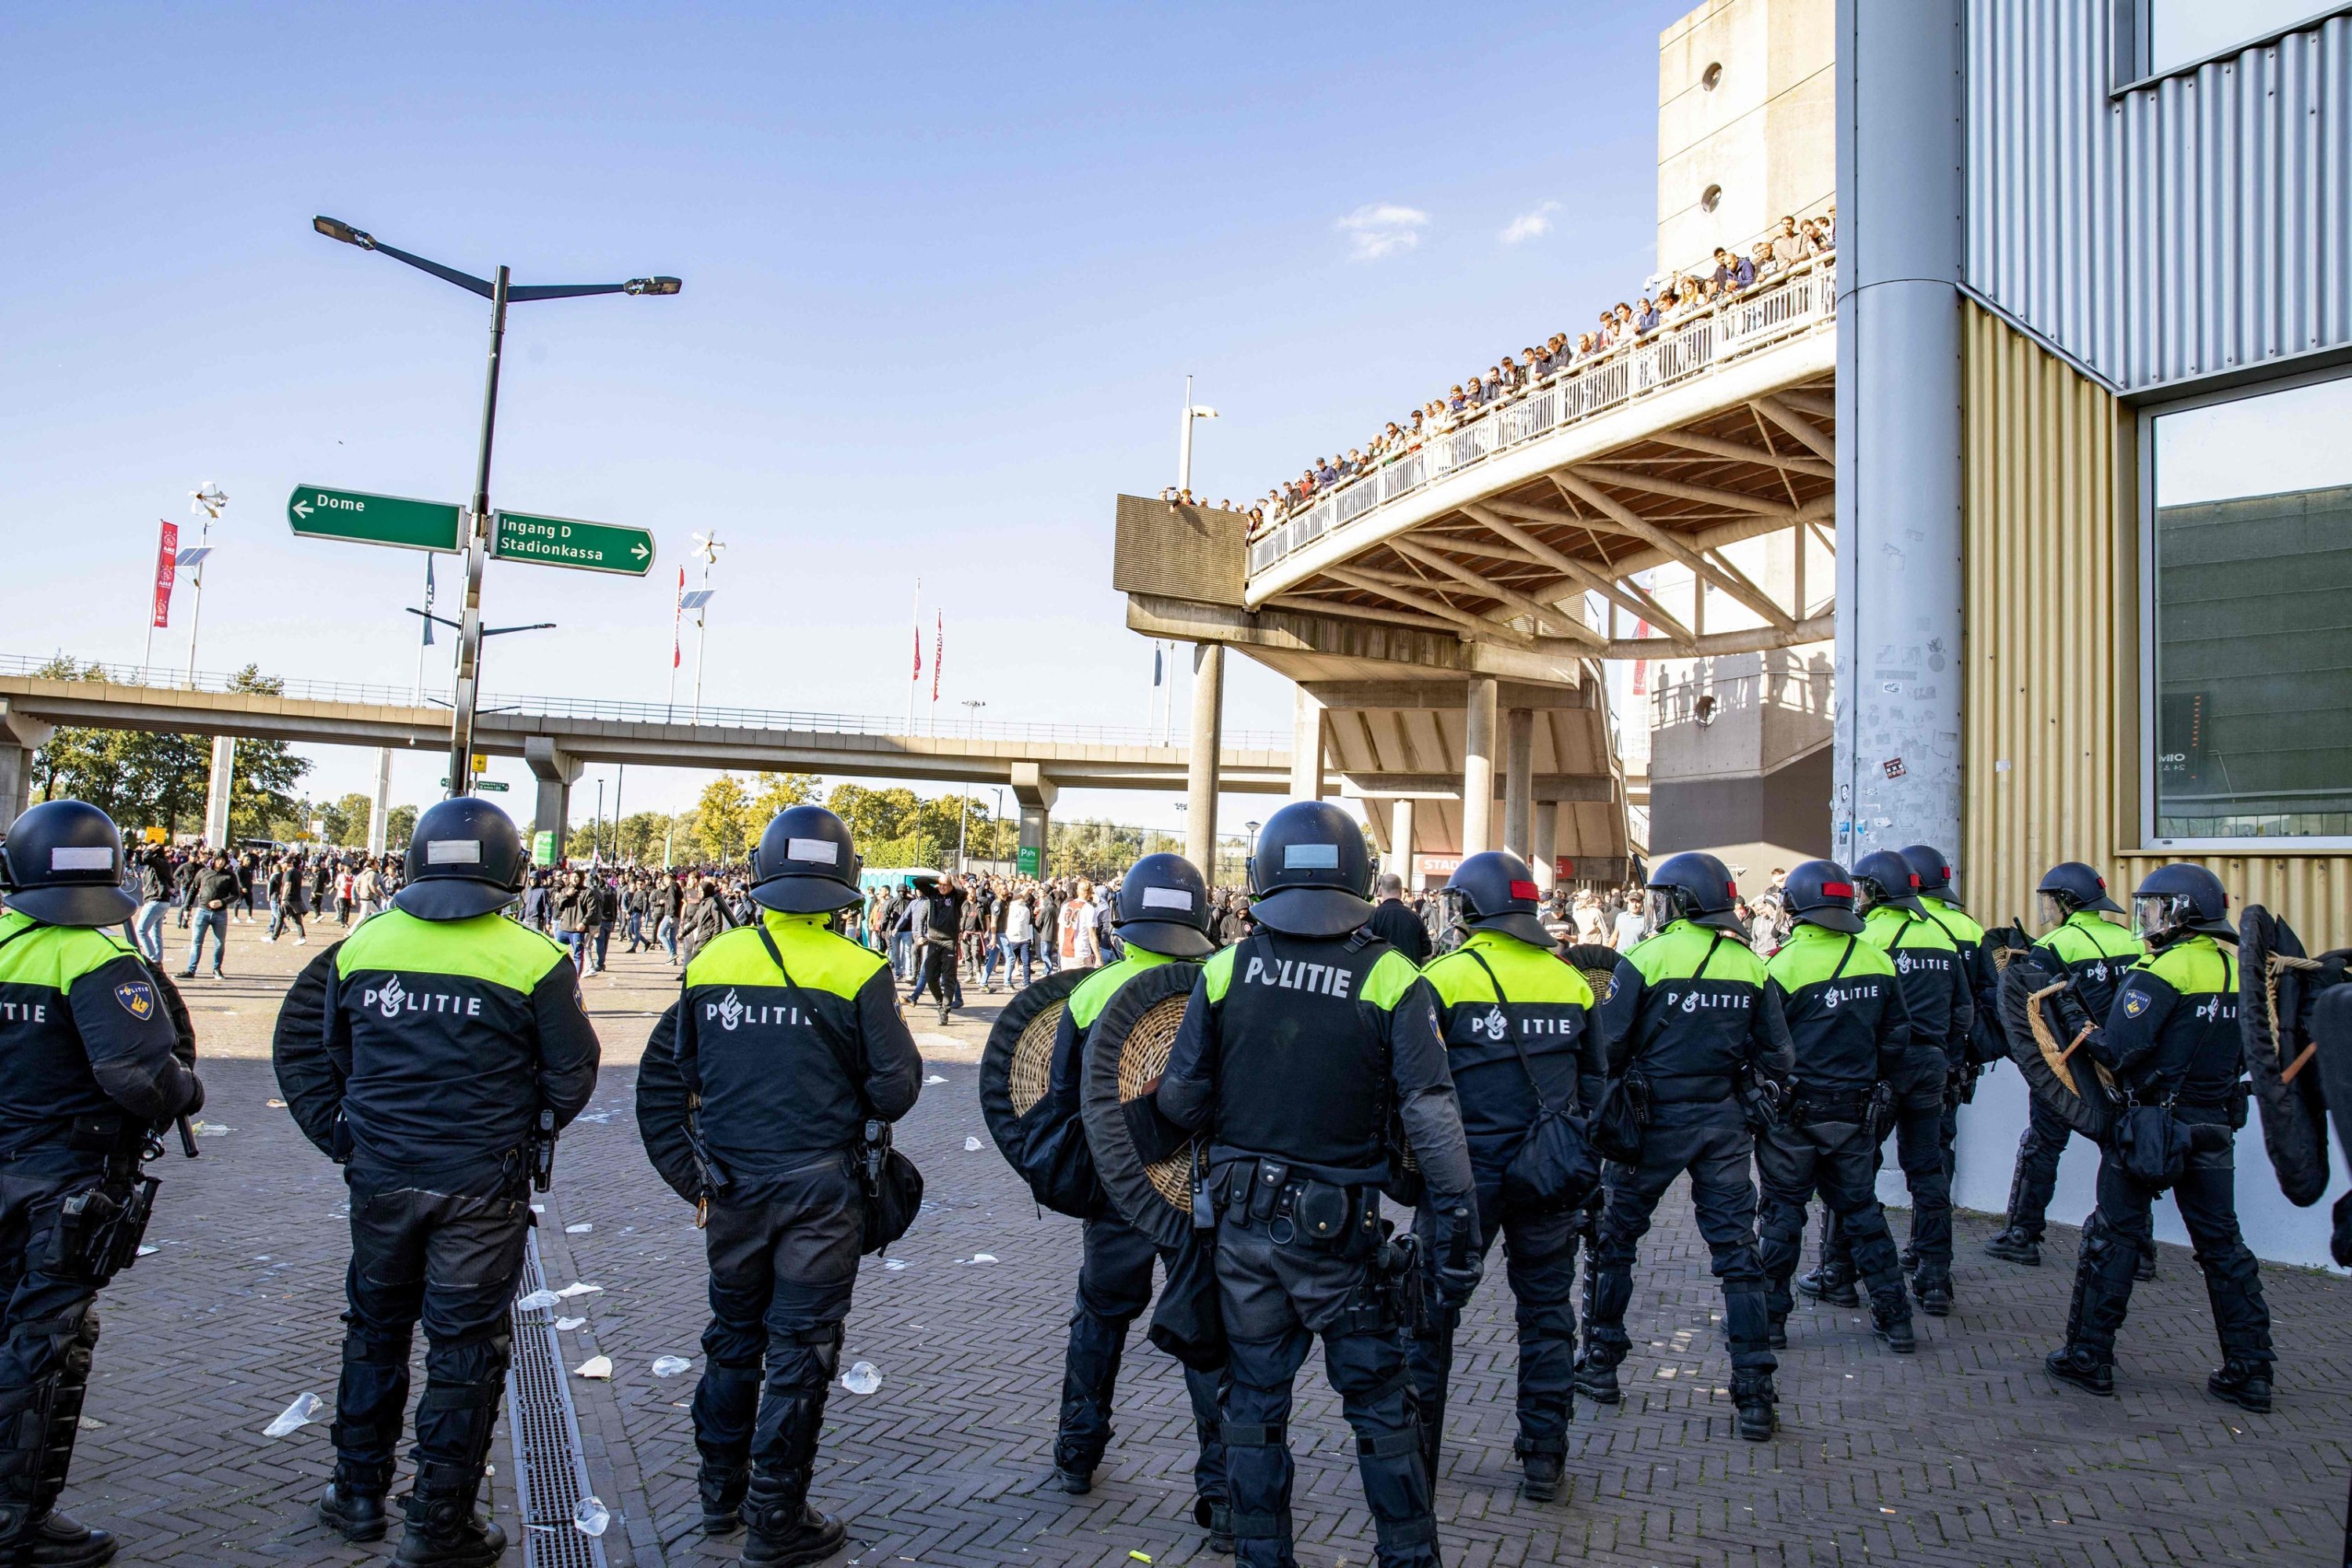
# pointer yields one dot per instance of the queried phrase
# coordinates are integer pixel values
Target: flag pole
(914, 619)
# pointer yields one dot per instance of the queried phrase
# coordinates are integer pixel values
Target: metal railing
(709, 716)
(1799, 303)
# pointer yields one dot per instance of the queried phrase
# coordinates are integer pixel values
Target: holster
(100, 1227)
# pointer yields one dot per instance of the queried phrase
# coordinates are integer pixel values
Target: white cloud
(1381, 229)
(1530, 224)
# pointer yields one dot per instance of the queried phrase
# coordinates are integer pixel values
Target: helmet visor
(2155, 915)
(1661, 907)
(2054, 910)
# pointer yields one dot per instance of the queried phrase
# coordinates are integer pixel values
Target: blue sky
(946, 270)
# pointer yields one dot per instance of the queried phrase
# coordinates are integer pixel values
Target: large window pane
(2254, 617)
(2181, 31)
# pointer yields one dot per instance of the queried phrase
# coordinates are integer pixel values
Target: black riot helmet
(2176, 899)
(1820, 893)
(1312, 874)
(1934, 872)
(1883, 876)
(63, 865)
(1163, 908)
(1496, 892)
(465, 859)
(806, 863)
(2070, 886)
(1694, 886)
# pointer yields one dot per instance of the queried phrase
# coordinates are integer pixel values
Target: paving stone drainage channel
(550, 1473)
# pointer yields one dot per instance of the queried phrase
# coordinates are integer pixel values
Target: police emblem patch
(138, 999)
(2135, 1004)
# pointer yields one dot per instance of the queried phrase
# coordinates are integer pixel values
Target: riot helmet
(1934, 872)
(806, 863)
(1494, 892)
(1820, 893)
(465, 859)
(62, 864)
(1163, 908)
(1694, 886)
(1312, 874)
(2173, 901)
(2069, 886)
(1883, 876)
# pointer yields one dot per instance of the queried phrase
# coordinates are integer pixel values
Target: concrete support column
(380, 813)
(1400, 838)
(1037, 795)
(1208, 743)
(1519, 782)
(555, 771)
(1547, 845)
(20, 734)
(1898, 439)
(1478, 768)
(216, 793)
(1305, 746)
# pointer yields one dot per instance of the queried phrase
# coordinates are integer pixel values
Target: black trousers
(1279, 1299)
(1715, 1146)
(936, 968)
(783, 1263)
(451, 1262)
(1113, 1290)
(2123, 1226)
(1838, 1160)
(1540, 1266)
(1919, 1148)
(48, 1332)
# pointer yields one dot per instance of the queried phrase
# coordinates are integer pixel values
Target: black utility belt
(1298, 1210)
(1830, 1105)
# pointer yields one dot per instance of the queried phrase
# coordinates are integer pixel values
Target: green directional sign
(568, 542)
(316, 511)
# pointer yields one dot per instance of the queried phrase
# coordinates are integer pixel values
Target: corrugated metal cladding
(2191, 227)
(2052, 669)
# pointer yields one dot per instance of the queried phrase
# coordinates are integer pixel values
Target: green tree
(261, 802)
(399, 828)
(772, 792)
(639, 836)
(346, 818)
(874, 815)
(1095, 851)
(719, 817)
(138, 778)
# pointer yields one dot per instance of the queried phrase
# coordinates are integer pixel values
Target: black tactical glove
(1457, 1260)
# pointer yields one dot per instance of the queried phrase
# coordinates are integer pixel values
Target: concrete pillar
(1547, 845)
(20, 734)
(1518, 782)
(216, 793)
(1478, 768)
(1401, 840)
(1035, 794)
(1898, 439)
(380, 813)
(555, 771)
(1208, 742)
(1305, 746)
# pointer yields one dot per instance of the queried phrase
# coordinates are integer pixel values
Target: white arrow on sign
(303, 509)
(639, 551)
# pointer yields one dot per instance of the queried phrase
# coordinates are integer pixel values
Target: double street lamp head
(336, 228)
(650, 286)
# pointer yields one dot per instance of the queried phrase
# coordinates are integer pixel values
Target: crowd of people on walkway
(205, 890)
(1668, 303)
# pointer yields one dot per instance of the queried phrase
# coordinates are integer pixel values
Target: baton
(187, 1137)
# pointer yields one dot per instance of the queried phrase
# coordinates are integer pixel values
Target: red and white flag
(167, 565)
(678, 624)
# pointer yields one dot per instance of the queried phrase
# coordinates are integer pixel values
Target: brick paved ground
(1965, 1454)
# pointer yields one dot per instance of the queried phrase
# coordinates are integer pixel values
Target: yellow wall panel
(2050, 657)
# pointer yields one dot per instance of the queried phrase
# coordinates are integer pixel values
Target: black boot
(1776, 1331)
(51, 1539)
(722, 1497)
(353, 1504)
(1061, 1479)
(2083, 1367)
(2013, 1246)
(1597, 1380)
(2144, 1267)
(1540, 1464)
(1831, 1284)
(1934, 1293)
(1758, 1408)
(2244, 1383)
(785, 1531)
(443, 1530)
(1215, 1515)
(1894, 1325)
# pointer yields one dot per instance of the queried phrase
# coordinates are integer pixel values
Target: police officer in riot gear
(91, 1066)
(2171, 1042)
(1941, 1004)
(1520, 1040)
(1849, 1033)
(1939, 902)
(454, 1047)
(1688, 1019)
(2093, 954)
(1162, 918)
(754, 1101)
(1298, 1047)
